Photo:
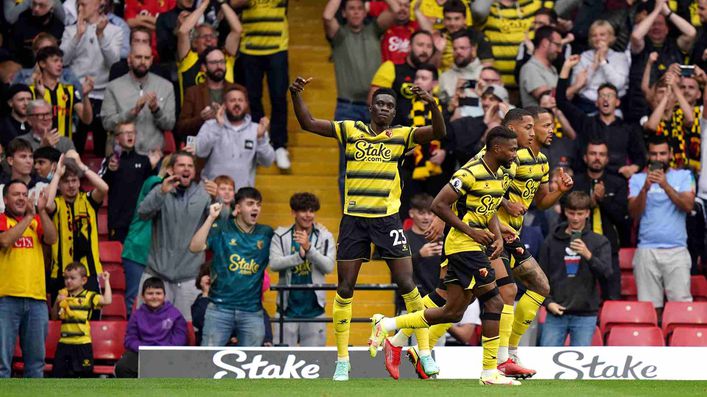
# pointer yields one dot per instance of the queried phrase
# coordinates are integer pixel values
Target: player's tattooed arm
(304, 117)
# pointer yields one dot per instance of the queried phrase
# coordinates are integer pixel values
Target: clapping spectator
(138, 35)
(26, 75)
(166, 30)
(20, 160)
(41, 133)
(43, 16)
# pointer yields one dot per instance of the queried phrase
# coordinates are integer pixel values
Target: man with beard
(15, 123)
(202, 100)
(43, 16)
(661, 198)
(459, 82)
(140, 97)
(538, 75)
(177, 206)
(400, 78)
(609, 209)
(232, 135)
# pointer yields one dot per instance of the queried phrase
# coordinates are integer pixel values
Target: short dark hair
(304, 201)
(421, 202)
(248, 193)
(136, 30)
(420, 33)
(609, 86)
(578, 200)
(6, 188)
(204, 270)
(595, 142)
(77, 266)
(71, 169)
(206, 52)
(45, 52)
(499, 133)
(658, 140)
(47, 152)
(549, 12)
(454, 6)
(235, 87)
(536, 111)
(543, 33)
(176, 155)
(384, 91)
(515, 114)
(152, 282)
(461, 34)
(18, 145)
(430, 68)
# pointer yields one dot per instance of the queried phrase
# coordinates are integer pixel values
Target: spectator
(395, 43)
(597, 66)
(189, 51)
(543, 17)
(563, 151)
(462, 77)
(654, 27)
(12, 10)
(233, 135)
(142, 15)
(236, 302)
(266, 54)
(75, 215)
(143, 98)
(202, 100)
(574, 258)
(198, 308)
(137, 36)
(225, 194)
(699, 51)
(25, 76)
(45, 162)
(43, 16)
(23, 230)
(136, 246)
(433, 11)
(41, 134)
(166, 30)
(609, 210)
(661, 199)
(177, 207)
(155, 323)
(125, 172)
(106, 6)
(15, 124)
(303, 253)
(399, 77)
(65, 100)
(90, 48)
(538, 75)
(466, 331)
(74, 307)
(623, 139)
(19, 159)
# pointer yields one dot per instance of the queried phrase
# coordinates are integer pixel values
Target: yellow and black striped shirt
(373, 161)
(265, 29)
(505, 27)
(75, 315)
(531, 172)
(481, 192)
(62, 100)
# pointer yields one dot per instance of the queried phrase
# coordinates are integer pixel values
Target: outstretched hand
(422, 94)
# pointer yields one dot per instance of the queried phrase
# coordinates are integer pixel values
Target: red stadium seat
(626, 259)
(698, 288)
(596, 338)
(102, 226)
(407, 223)
(110, 252)
(169, 144)
(635, 336)
(116, 310)
(117, 278)
(629, 291)
(107, 338)
(53, 335)
(688, 336)
(542, 315)
(191, 335)
(88, 146)
(626, 313)
(675, 314)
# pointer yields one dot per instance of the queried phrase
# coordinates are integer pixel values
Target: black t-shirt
(464, 137)
(425, 271)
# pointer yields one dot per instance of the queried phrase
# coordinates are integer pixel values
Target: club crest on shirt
(260, 244)
(233, 242)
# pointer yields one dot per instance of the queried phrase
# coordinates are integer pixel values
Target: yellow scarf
(84, 217)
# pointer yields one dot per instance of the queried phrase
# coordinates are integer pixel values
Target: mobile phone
(576, 235)
(191, 141)
(687, 70)
(469, 84)
(655, 165)
(117, 151)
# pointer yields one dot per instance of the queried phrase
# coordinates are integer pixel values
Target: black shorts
(469, 269)
(73, 361)
(514, 253)
(357, 233)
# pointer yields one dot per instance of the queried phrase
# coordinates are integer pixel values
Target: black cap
(47, 152)
(16, 88)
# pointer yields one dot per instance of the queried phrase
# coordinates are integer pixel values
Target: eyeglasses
(207, 36)
(217, 62)
(42, 115)
(608, 95)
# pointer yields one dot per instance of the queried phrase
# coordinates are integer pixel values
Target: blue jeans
(556, 328)
(28, 318)
(348, 111)
(220, 323)
(133, 272)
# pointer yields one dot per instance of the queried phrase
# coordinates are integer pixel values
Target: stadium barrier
(323, 287)
(569, 363)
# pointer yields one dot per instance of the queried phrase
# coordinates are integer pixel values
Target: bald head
(140, 59)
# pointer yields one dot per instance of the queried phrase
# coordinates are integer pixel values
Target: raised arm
(688, 32)
(640, 30)
(233, 39)
(437, 130)
(304, 117)
(657, 114)
(331, 25)
(545, 199)
(422, 20)
(387, 17)
(183, 30)
(646, 79)
(198, 242)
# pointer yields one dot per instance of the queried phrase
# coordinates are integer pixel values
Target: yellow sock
(413, 303)
(341, 314)
(412, 320)
(504, 330)
(428, 303)
(490, 346)
(526, 309)
(437, 331)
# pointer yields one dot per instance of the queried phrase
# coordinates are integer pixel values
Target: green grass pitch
(355, 387)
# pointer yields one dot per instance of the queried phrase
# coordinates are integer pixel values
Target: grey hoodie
(322, 256)
(176, 217)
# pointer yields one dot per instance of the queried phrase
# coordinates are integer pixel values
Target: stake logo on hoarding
(257, 368)
(581, 367)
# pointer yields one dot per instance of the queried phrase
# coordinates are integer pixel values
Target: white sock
(502, 354)
(513, 351)
(399, 339)
(388, 324)
(487, 373)
(425, 353)
(343, 359)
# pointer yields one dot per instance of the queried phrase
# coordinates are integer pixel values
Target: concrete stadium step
(320, 154)
(275, 220)
(304, 167)
(303, 181)
(310, 139)
(284, 208)
(283, 193)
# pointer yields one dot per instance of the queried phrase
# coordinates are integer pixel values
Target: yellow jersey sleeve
(385, 75)
(190, 60)
(410, 138)
(96, 301)
(461, 181)
(340, 128)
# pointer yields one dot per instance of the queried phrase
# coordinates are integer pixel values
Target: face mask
(50, 175)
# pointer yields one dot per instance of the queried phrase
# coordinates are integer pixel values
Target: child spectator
(125, 171)
(155, 323)
(198, 308)
(74, 306)
(45, 162)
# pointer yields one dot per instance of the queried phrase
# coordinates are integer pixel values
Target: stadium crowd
(147, 116)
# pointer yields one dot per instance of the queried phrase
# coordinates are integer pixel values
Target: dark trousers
(126, 367)
(252, 70)
(96, 127)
